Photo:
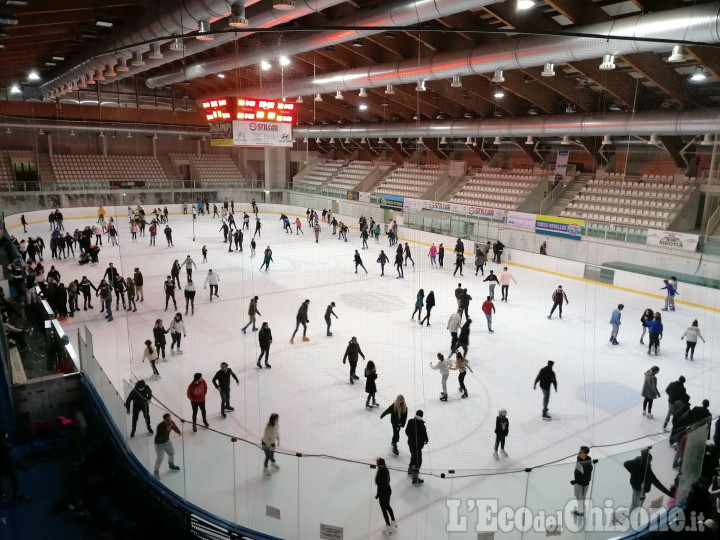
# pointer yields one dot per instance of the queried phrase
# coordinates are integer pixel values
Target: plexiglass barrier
(224, 474)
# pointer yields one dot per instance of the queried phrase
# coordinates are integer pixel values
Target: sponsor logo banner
(561, 164)
(221, 134)
(259, 133)
(391, 202)
(413, 204)
(672, 240)
(490, 213)
(558, 226)
(364, 196)
(353, 196)
(521, 219)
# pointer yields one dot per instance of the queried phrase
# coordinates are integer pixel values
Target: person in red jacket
(488, 309)
(196, 394)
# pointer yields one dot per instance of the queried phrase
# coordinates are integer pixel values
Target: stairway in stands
(170, 171)
(568, 195)
(45, 169)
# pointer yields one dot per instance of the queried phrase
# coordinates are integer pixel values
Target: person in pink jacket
(196, 393)
(505, 279)
(432, 253)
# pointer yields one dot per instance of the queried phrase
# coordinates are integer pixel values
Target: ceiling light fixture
(33, 76)
(176, 45)
(104, 23)
(318, 97)
(317, 141)
(420, 86)
(58, 58)
(339, 95)
(72, 133)
(363, 141)
(389, 89)
(522, 5)
(362, 93)
(363, 107)
(498, 77)
(284, 5)
(129, 135)
(284, 61)
(419, 140)
(443, 141)
(548, 70)
(698, 75)
(399, 140)
(496, 141)
(91, 78)
(532, 112)
(15, 89)
(570, 109)
(203, 30)
(499, 93)
(381, 140)
(82, 83)
(110, 71)
(221, 75)
(265, 65)
(122, 65)
(615, 107)
(8, 19)
(468, 141)
(137, 59)
(357, 43)
(299, 100)
(606, 140)
(456, 82)
(237, 18)
(468, 115)
(155, 52)
(41, 132)
(180, 138)
(608, 63)
(677, 54)
(529, 141)
(497, 114)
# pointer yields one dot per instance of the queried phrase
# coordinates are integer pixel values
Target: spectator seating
(504, 190)
(216, 168)
(410, 180)
(319, 172)
(74, 170)
(7, 179)
(350, 176)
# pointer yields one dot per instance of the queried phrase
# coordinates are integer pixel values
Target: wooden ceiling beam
(580, 13)
(708, 57)
(585, 100)
(664, 77)
(538, 95)
(616, 84)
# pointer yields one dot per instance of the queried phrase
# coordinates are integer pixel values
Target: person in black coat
(429, 304)
(398, 416)
(417, 439)
(139, 397)
(399, 264)
(384, 491)
(581, 479)
(370, 386)
(265, 339)
(221, 381)
(642, 478)
(502, 430)
(159, 335)
(546, 378)
(301, 318)
(675, 392)
(441, 254)
(351, 354)
(169, 286)
(464, 338)
(498, 248)
(175, 272)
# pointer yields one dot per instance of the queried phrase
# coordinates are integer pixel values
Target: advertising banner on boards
(353, 196)
(673, 240)
(482, 211)
(521, 219)
(391, 202)
(364, 196)
(559, 226)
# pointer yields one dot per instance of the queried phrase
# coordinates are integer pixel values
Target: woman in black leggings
(382, 481)
(160, 341)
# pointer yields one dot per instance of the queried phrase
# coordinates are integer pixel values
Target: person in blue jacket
(670, 298)
(615, 322)
(419, 301)
(655, 329)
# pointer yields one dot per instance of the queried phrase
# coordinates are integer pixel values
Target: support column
(277, 167)
(49, 140)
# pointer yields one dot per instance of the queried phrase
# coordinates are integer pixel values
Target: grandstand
(350, 176)
(76, 170)
(494, 187)
(209, 168)
(411, 180)
(7, 179)
(319, 172)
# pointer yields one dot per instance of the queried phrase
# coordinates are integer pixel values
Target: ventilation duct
(699, 23)
(399, 13)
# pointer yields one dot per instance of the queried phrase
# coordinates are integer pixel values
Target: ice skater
(196, 392)
(270, 441)
(328, 314)
(151, 355)
(382, 481)
(675, 392)
(175, 272)
(316, 231)
(169, 287)
(581, 479)
(399, 264)
(444, 368)
(267, 259)
(488, 308)
(459, 262)
(479, 261)
(246, 221)
(358, 262)
(408, 255)
(351, 355)
(264, 340)
(493, 281)
(139, 397)
(464, 302)
(453, 326)
(692, 334)
(189, 293)
(398, 416)
(417, 439)
(189, 263)
(502, 430)
(298, 227)
(655, 328)
(163, 445)
(204, 252)
(646, 317)
(159, 333)
(432, 253)
(463, 338)
(302, 318)
(383, 260)
(419, 302)
(429, 305)
(370, 386)
(252, 312)
(505, 279)
(670, 298)
(258, 226)
(615, 323)
(177, 331)
(650, 391)
(557, 297)
(546, 378)
(212, 279)
(221, 382)
(462, 366)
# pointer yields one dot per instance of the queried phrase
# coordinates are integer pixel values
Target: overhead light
(389, 90)
(381, 141)
(203, 30)
(74, 86)
(299, 99)
(8, 131)
(122, 65)
(137, 59)
(104, 23)
(3, 33)
(468, 141)
(16, 3)
(420, 86)
(90, 78)
(221, 75)
(58, 58)
(362, 93)
(698, 75)
(532, 112)
(357, 43)
(498, 77)
(332, 140)
(615, 107)
(456, 82)
(8, 19)
(529, 141)
(419, 140)
(707, 140)
(497, 114)
(33, 76)
(608, 63)
(41, 132)
(443, 141)
(499, 93)
(416, 116)
(110, 71)
(72, 133)
(677, 55)
(237, 18)
(180, 137)
(15, 89)
(363, 107)
(525, 4)
(653, 139)
(384, 104)
(129, 135)
(284, 61)
(318, 97)
(399, 140)
(82, 83)
(330, 48)
(339, 95)
(474, 142)
(548, 70)
(283, 5)
(155, 53)
(565, 140)
(347, 141)
(496, 141)
(606, 140)
(50, 64)
(468, 115)
(265, 65)
(570, 109)
(363, 141)
(390, 34)
(155, 137)
(176, 45)
(305, 140)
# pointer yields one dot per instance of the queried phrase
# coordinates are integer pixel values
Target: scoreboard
(249, 122)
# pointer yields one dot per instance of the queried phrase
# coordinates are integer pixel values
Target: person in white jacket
(505, 279)
(177, 327)
(453, 326)
(189, 263)
(212, 279)
(444, 368)
(691, 336)
(270, 441)
(150, 354)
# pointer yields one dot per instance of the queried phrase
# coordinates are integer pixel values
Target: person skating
(453, 326)
(464, 302)
(175, 272)
(238, 238)
(152, 230)
(670, 298)
(169, 287)
(150, 354)
(557, 297)
(675, 392)
(351, 355)
(417, 439)
(502, 430)
(615, 323)
(196, 392)
(429, 305)
(131, 292)
(159, 333)
(384, 491)
(139, 397)
(221, 382)
(328, 314)
(212, 279)
(462, 366)
(85, 287)
(444, 368)
(120, 288)
(650, 391)
(189, 292)
(270, 441)
(246, 221)
(419, 302)
(655, 328)
(106, 300)
(458, 293)
(642, 478)
(441, 255)
(546, 378)
(301, 318)
(398, 416)
(408, 255)
(493, 279)
(646, 317)
(488, 308)
(316, 231)
(370, 386)
(109, 276)
(383, 260)
(432, 253)
(364, 236)
(189, 263)
(459, 262)
(163, 445)
(176, 328)
(399, 264)
(265, 340)
(358, 262)
(479, 261)
(497, 248)
(267, 258)
(298, 227)
(505, 279)
(692, 334)
(168, 235)
(581, 479)
(253, 245)
(258, 226)
(252, 312)
(463, 338)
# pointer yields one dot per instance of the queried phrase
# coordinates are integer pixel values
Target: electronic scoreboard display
(249, 121)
